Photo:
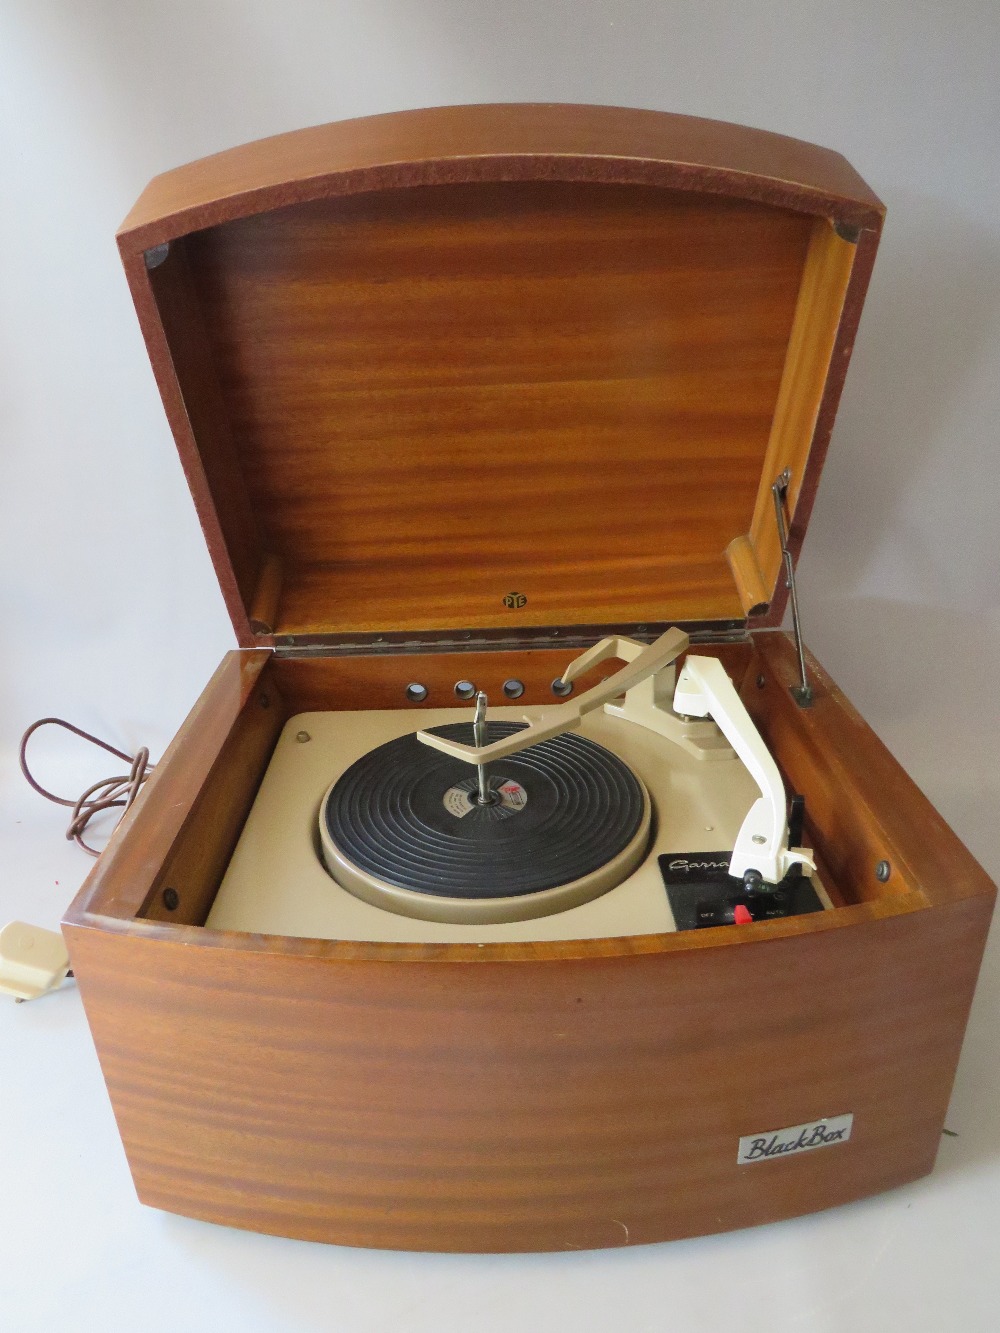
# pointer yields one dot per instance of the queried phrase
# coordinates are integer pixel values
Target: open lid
(499, 372)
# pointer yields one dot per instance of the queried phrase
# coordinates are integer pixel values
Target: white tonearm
(705, 690)
(544, 723)
(651, 700)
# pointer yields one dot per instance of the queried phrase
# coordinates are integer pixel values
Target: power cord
(107, 794)
(34, 961)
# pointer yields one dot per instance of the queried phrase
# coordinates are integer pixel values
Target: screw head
(761, 682)
(171, 900)
(265, 701)
(302, 737)
(415, 692)
(882, 871)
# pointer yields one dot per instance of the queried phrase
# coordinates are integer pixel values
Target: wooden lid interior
(497, 405)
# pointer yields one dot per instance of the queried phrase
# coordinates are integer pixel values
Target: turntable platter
(403, 830)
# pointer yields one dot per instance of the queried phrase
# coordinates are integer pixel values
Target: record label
(460, 799)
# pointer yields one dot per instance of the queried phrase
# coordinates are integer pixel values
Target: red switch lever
(741, 915)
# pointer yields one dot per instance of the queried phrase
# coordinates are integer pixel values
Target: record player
(518, 884)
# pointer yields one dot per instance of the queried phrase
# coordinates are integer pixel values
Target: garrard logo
(682, 863)
(797, 1138)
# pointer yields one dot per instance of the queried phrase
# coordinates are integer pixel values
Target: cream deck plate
(276, 882)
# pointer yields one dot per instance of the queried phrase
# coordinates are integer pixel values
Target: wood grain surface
(415, 363)
(521, 141)
(826, 278)
(443, 396)
(350, 681)
(829, 750)
(551, 1095)
(468, 353)
(532, 1105)
(154, 828)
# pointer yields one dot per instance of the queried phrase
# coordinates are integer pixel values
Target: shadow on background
(924, 344)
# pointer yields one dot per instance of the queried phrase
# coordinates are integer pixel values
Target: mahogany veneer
(415, 363)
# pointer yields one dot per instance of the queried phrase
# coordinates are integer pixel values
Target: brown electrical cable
(107, 794)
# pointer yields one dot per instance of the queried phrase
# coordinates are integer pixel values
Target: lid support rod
(801, 693)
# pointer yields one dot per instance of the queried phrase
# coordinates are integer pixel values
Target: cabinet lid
(501, 372)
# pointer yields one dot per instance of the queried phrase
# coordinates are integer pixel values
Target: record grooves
(404, 815)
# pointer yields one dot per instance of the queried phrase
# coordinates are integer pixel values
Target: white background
(110, 614)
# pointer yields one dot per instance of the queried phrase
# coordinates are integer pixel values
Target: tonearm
(652, 699)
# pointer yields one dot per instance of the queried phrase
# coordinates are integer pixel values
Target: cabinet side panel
(313, 683)
(528, 1105)
(187, 814)
(863, 809)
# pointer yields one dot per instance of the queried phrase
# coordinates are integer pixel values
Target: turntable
(586, 819)
(518, 883)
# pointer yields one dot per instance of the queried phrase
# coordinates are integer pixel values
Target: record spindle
(485, 796)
